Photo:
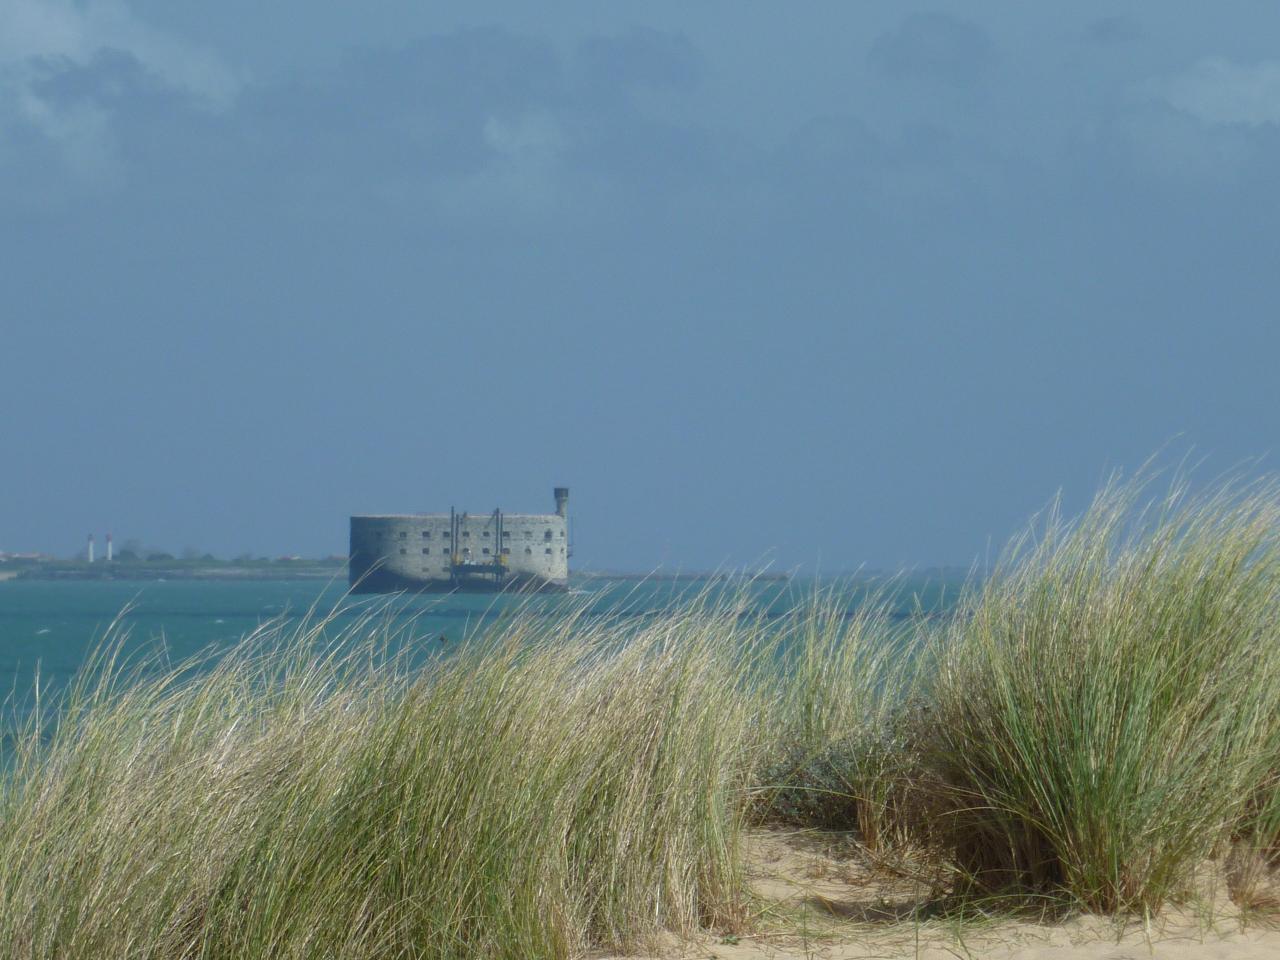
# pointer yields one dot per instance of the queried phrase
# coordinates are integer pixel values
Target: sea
(49, 630)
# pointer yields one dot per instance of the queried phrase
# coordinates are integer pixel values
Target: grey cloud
(469, 123)
(77, 127)
(615, 133)
(936, 47)
(827, 151)
(387, 128)
(836, 167)
(78, 82)
(637, 154)
(488, 123)
(483, 69)
(110, 78)
(453, 118)
(1155, 147)
(1112, 31)
(36, 30)
(1220, 91)
(635, 59)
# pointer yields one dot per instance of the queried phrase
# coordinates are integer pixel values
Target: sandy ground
(823, 902)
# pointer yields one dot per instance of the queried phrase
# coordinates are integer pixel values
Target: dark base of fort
(377, 581)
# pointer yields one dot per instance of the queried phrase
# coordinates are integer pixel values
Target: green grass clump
(838, 756)
(558, 785)
(1106, 706)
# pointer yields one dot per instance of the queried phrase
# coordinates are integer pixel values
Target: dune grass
(1096, 719)
(550, 788)
(1108, 703)
(839, 755)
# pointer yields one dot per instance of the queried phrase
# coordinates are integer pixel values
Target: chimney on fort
(562, 502)
(89, 551)
(108, 548)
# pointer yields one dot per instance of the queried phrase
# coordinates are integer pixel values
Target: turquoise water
(52, 626)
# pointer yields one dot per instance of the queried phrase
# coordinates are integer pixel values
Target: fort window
(548, 550)
(403, 551)
(486, 551)
(404, 534)
(426, 534)
(466, 534)
(486, 533)
(528, 551)
(528, 534)
(506, 550)
(448, 535)
(466, 551)
(506, 534)
(561, 534)
(547, 535)
(425, 551)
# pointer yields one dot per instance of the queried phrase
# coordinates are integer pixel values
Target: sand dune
(820, 902)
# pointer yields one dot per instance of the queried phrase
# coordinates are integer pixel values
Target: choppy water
(53, 626)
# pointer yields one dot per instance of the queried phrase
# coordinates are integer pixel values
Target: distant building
(461, 551)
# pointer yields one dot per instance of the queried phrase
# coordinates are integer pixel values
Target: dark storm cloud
(936, 47)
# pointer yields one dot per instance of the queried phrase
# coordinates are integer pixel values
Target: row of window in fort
(466, 534)
(466, 551)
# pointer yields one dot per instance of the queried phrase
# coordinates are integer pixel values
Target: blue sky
(860, 284)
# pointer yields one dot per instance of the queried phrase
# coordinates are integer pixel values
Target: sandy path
(846, 911)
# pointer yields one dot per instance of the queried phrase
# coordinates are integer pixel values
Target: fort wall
(415, 551)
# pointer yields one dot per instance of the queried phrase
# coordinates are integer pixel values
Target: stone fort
(461, 551)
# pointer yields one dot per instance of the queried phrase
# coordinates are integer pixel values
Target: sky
(837, 286)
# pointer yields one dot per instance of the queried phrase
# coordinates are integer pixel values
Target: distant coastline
(335, 568)
(217, 570)
(292, 570)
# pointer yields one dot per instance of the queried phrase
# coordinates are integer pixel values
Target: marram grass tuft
(555, 786)
(1108, 703)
